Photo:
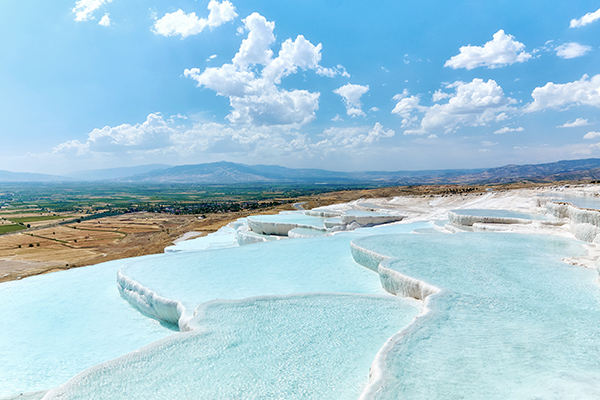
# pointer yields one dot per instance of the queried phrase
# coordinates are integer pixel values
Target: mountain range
(232, 173)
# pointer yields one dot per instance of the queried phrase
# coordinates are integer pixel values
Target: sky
(339, 85)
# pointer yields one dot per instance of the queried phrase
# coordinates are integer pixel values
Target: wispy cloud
(586, 19)
(506, 129)
(591, 135)
(578, 122)
(572, 50)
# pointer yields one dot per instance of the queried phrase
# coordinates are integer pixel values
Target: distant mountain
(228, 173)
(115, 173)
(7, 176)
(560, 170)
(232, 173)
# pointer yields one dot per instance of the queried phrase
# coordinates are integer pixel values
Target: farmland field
(10, 228)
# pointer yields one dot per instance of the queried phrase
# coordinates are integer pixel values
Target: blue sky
(341, 85)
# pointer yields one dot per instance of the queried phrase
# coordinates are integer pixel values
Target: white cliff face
(151, 304)
(583, 223)
(469, 220)
(323, 220)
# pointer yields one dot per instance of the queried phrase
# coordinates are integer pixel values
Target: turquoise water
(511, 322)
(296, 347)
(499, 214)
(283, 267)
(57, 325)
(54, 326)
(592, 202)
(298, 218)
(223, 238)
(307, 232)
(361, 213)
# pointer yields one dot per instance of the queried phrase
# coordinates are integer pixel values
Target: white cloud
(591, 135)
(418, 132)
(105, 21)
(586, 19)
(506, 129)
(439, 95)
(256, 48)
(299, 53)
(254, 94)
(337, 118)
(585, 92)
(352, 137)
(220, 13)
(500, 51)
(180, 23)
(476, 103)
(405, 107)
(351, 95)
(572, 50)
(180, 140)
(255, 98)
(577, 123)
(374, 109)
(157, 136)
(84, 9)
(151, 134)
(274, 106)
(332, 72)
(487, 143)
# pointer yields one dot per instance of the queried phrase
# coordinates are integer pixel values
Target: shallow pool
(511, 321)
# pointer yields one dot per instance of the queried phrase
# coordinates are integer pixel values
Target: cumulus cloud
(151, 134)
(572, 50)
(585, 91)
(353, 137)
(405, 108)
(105, 21)
(84, 9)
(439, 95)
(251, 80)
(180, 23)
(586, 19)
(591, 135)
(577, 123)
(351, 95)
(476, 103)
(506, 129)
(179, 138)
(502, 50)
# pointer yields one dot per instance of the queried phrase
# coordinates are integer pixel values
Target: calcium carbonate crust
(398, 284)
